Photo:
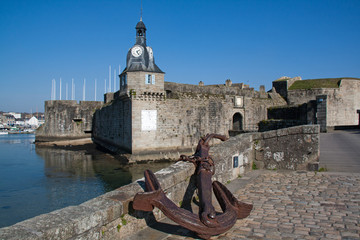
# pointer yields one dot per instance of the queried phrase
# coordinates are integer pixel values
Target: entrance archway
(237, 122)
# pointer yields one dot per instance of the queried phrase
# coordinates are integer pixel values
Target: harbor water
(37, 180)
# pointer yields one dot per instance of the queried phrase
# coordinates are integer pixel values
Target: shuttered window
(149, 79)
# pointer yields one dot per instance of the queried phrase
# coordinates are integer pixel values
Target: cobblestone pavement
(292, 205)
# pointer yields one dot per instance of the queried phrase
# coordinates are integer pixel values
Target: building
(8, 119)
(33, 122)
(16, 115)
(330, 102)
(149, 115)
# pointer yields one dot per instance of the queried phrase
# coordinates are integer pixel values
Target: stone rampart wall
(111, 215)
(210, 89)
(342, 102)
(301, 96)
(67, 119)
(183, 120)
(180, 120)
(342, 106)
(112, 125)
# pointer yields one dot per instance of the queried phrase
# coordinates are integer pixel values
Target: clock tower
(141, 73)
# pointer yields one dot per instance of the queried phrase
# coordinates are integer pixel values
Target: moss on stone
(254, 167)
(316, 83)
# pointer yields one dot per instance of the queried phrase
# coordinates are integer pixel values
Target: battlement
(238, 89)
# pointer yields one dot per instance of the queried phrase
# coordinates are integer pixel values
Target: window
(149, 79)
(235, 161)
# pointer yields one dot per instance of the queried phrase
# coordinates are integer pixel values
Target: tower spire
(141, 10)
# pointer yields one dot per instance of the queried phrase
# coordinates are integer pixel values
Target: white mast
(60, 90)
(72, 89)
(105, 86)
(54, 89)
(84, 89)
(95, 89)
(109, 78)
(114, 80)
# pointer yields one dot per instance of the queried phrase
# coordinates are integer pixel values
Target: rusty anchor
(207, 223)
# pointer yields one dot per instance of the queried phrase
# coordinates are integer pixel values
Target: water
(36, 180)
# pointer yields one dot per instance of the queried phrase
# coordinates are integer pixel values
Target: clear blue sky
(249, 41)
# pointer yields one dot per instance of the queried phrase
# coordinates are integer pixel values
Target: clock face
(150, 51)
(136, 51)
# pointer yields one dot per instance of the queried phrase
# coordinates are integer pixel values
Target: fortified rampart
(111, 215)
(67, 119)
(112, 125)
(219, 89)
(328, 102)
(180, 116)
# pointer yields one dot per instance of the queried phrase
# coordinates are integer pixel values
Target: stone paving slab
(287, 205)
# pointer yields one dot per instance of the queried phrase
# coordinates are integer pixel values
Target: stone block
(313, 166)
(311, 129)
(124, 195)
(269, 134)
(259, 155)
(295, 130)
(282, 132)
(20, 231)
(48, 226)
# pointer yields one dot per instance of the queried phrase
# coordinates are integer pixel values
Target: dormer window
(140, 33)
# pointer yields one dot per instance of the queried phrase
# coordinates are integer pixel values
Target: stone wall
(164, 118)
(291, 148)
(184, 118)
(111, 215)
(342, 103)
(273, 124)
(289, 116)
(136, 82)
(221, 89)
(301, 96)
(282, 85)
(67, 119)
(288, 148)
(112, 125)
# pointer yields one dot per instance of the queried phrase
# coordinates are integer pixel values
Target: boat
(3, 132)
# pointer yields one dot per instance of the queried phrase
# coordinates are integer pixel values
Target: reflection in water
(82, 167)
(40, 181)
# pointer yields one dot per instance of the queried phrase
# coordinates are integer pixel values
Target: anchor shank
(207, 211)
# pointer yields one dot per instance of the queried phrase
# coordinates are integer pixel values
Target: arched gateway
(237, 122)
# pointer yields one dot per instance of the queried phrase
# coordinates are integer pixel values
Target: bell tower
(140, 33)
(141, 73)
